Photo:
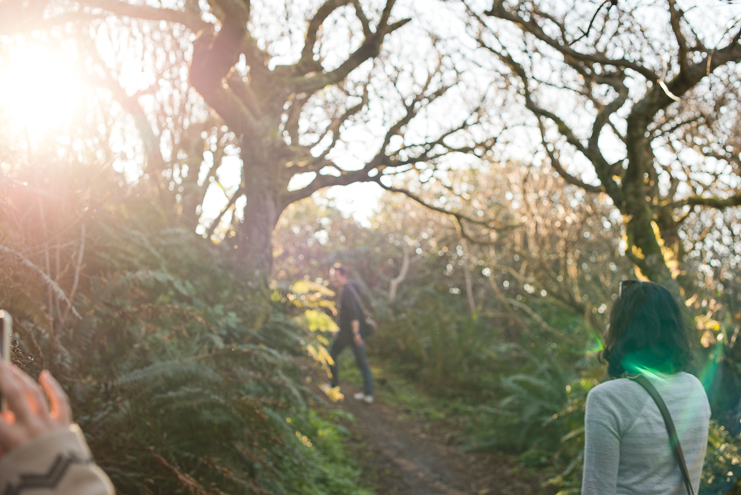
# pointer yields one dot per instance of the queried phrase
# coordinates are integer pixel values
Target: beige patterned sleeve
(56, 463)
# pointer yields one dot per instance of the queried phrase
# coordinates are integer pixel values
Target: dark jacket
(349, 308)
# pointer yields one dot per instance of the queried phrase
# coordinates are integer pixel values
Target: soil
(403, 456)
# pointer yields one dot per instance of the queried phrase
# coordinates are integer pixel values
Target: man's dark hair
(647, 330)
(340, 269)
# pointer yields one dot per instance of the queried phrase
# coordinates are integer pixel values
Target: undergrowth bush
(440, 344)
(183, 377)
(722, 463)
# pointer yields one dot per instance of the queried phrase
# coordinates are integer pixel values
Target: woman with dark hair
(627, 441)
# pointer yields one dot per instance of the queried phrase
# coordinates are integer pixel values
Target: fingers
(12, 389)
(29, 413)
(35, 396)
(8, 431)
(8, 417)
(60, 409)
(11, 434)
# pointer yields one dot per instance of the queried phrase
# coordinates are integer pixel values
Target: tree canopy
(639, 103)
(302, 96)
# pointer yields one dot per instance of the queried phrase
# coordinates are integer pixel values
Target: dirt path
(405, 458)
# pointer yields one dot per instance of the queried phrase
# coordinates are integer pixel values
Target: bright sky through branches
(39, 89)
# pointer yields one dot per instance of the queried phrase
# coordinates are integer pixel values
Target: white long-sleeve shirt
(627, 449)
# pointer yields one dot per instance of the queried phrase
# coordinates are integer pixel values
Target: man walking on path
(350, 319)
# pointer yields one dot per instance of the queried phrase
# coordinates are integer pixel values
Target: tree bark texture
(261, 214)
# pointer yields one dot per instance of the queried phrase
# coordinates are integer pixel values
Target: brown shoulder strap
(357, 299)
(673, 437)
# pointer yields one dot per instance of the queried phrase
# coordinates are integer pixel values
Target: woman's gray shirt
(626, 444)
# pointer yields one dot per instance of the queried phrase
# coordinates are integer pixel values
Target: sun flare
(39, 88)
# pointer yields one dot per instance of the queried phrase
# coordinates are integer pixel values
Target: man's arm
(356, 333)
(353, 307)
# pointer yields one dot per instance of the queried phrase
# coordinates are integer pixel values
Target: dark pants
(342, 340)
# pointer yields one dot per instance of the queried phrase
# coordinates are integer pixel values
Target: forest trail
(407, 458)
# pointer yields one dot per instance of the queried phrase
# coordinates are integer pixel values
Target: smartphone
(7, 331)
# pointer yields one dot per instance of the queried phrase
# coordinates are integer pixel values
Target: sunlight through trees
(166, 228)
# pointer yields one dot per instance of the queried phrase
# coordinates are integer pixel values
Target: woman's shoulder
(682, 387)
(620, 396)
(688, 379)
(617, 402)
(614, 388)
(619, 389)
(621, 401)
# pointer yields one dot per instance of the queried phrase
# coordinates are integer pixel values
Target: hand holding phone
(32, 408)
(35, 409)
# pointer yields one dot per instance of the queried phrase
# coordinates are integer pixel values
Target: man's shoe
(368, 399)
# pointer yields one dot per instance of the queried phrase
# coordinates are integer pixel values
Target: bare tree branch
(307, 62)
(531, 26)
(712, 202)
(368, 50)
(53, 286)
(217, 220)
(362, 17)
(145, 12)
(556, 164)
(676, 16)
(396, 281)
(460, 218)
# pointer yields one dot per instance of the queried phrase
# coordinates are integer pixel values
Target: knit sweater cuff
(58, 462)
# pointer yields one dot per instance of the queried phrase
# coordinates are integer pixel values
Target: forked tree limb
(370, 48)
(396, 281)
(362, 17)
(307, 63)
